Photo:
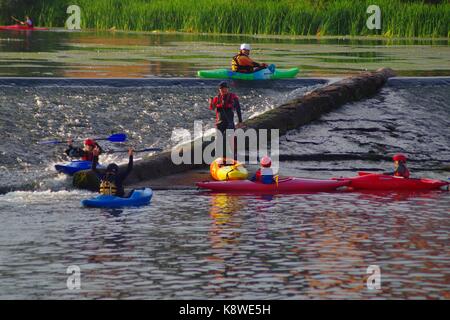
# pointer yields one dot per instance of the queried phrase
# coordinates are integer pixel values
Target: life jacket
(108, 188)
(29, 23)
(227, 103)
(237, 67)
(265, 175)
(87, 156)
(402, 171)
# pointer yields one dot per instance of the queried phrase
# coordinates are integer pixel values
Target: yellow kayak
(223, 169)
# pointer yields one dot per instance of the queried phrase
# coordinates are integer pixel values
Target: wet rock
(86, 179)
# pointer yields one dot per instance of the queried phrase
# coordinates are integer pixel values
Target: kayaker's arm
(129, 167)
(74, 152)
(255, 64)
(211, 103)
(237, 107)
(256, 176)
(100, 150)
(95, 162)
(403, 171)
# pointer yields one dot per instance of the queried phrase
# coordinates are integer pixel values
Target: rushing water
(149, 116)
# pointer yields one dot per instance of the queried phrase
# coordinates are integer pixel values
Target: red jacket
(225, 107)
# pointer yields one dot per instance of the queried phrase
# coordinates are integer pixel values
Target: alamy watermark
(73, 22)
(374, 280)
(74, 280)
(374, 21)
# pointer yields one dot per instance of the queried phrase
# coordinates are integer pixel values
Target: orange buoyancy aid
(242, 63)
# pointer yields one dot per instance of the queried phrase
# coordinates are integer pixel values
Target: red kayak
(286, 185)
(376, 181)
(21, 27)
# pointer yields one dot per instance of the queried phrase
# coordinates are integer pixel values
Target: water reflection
(133, 54)
(227, 246)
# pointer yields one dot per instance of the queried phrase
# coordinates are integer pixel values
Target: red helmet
(399, 157)
(266, 161)
(89, 142)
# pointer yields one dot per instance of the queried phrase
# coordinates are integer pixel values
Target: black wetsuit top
(117, 179)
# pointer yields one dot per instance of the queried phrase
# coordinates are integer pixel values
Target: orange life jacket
(238, 67)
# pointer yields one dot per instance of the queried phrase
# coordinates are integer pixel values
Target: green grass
(282, 17)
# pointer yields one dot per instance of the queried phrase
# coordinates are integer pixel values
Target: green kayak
(265, 74)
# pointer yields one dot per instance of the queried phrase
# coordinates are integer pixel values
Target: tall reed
(284, 17)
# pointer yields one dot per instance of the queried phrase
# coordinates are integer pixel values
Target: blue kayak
(139, 197)
(73, 167)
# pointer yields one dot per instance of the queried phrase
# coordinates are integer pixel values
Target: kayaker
(243, 63)
(111, 182)
(265, 173)
(400, 169)
(28, 22)
(225, 104)
(85, 153)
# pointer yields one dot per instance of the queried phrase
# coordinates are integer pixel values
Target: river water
(123, 54)
(189, 244)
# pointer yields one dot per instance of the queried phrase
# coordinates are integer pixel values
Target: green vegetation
(284, 17)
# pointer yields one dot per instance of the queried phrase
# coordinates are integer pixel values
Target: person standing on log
(225, 104)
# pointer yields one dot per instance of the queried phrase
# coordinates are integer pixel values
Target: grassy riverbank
(284, 17)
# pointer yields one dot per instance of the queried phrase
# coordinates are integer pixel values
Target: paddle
(117, 137)
(17, 20)
(141, 150)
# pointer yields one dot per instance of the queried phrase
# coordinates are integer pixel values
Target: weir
(288, 116)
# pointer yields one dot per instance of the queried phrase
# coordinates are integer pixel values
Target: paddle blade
(149, 149)
(118, 137)
(135, 151)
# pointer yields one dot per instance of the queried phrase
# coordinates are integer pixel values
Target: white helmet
(245, 46)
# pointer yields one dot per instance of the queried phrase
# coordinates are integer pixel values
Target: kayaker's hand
(130, 152)
(96, 151)
(210, 100)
